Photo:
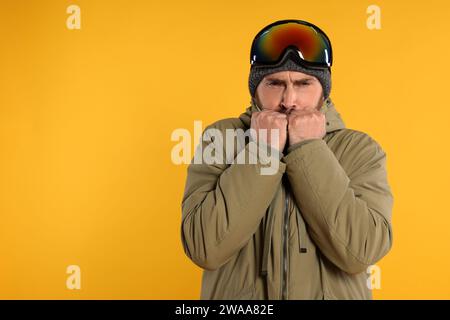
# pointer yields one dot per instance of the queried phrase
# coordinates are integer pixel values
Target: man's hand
(306, 124)
(268, 119)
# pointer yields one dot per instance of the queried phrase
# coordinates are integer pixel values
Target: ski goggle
(311, 44)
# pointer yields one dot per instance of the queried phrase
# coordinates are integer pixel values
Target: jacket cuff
(273, 152)
(298, 144)
(268, 163)
(299, 150)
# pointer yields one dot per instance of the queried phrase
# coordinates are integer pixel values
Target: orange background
(86, 116)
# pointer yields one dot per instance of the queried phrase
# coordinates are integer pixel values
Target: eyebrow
(281, 81)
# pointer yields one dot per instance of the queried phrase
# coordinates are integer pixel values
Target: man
(313, 228)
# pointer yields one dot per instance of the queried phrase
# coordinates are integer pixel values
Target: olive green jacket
(309, 231)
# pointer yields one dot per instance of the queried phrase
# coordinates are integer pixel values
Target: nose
(288, 101)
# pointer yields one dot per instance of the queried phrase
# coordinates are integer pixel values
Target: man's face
(286, 91)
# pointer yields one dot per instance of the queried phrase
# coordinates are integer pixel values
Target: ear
(255, 102)
(322, 98)
(322, 101)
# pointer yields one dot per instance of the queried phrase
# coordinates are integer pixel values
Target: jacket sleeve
(348, 215)
(223, 205)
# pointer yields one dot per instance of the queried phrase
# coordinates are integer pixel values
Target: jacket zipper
(285, 247)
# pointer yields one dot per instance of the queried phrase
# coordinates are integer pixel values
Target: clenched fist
(269, 119)
(306, 124)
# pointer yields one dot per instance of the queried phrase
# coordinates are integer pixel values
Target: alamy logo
(374, 279)
(73, 21)
(73, 281)
(374, 20)
(229, 147)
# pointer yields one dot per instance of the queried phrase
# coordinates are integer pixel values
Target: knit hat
(289, 62)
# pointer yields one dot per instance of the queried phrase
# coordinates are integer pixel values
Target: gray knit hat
(289, 62)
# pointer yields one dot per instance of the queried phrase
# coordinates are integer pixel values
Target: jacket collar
(333, 118)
